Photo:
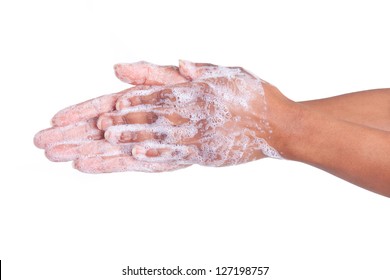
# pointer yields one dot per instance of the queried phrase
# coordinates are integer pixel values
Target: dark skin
(369, 108)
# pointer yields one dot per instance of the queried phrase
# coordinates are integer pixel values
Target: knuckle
(151, 118)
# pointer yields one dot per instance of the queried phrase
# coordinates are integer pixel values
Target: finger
(194, 71)
(154, 152)
(126, 117)
(140, 115)
(157, 97)
(121, 164)
(68, 152)
(144, 73)
(165, 134)
(125, 134)
(86, 110)
(75, 133)
(178, 95)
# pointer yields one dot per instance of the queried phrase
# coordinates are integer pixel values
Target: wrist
(287, 120)
(301, 131)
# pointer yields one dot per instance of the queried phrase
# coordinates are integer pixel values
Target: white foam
(219, 128)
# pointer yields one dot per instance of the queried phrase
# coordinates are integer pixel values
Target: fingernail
(138, 150)
(107, 135)
(183, 62)
(186, 68)
(121, 104)
(103, 123)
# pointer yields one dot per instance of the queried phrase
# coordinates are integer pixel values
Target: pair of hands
(173, 117)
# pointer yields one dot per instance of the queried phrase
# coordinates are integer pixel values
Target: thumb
(144, 73)
(193, 71)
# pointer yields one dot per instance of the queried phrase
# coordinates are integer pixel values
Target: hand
(220, 118)
(75, 136)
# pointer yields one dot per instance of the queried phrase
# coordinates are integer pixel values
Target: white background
(58, 223)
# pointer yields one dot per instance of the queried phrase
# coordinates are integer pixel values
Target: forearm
(369, 108)
(358, 154)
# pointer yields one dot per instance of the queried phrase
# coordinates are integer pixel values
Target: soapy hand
(174, 117)
(216, 116)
